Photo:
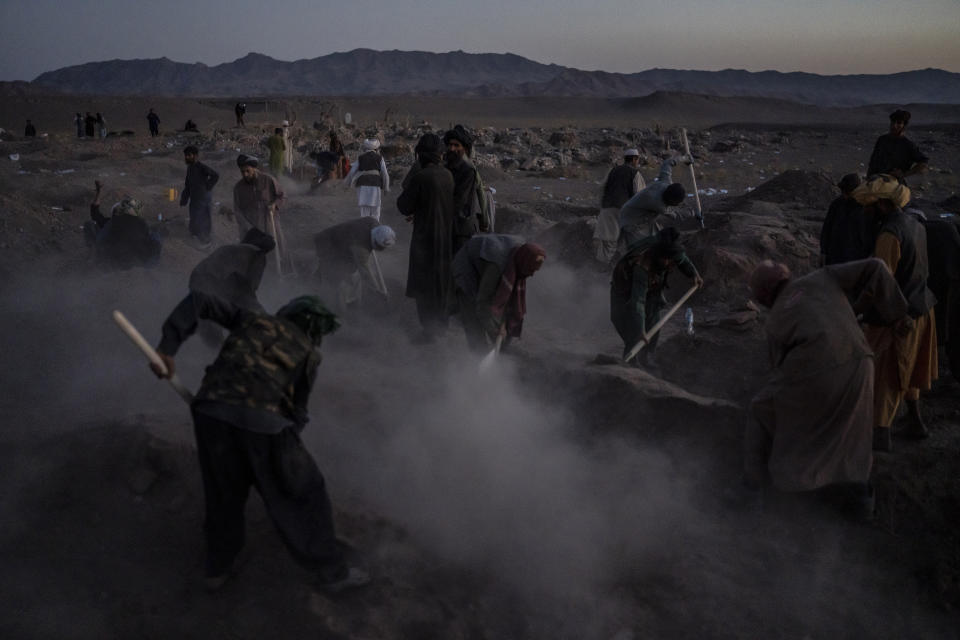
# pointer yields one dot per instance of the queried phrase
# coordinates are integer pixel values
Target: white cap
(631, 152)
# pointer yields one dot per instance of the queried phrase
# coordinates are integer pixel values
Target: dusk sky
(819, 36)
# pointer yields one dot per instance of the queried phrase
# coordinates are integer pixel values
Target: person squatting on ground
(637, 286)
(847, 233)
(648, 211)
(370, 178)
(198, 192)
(276, 146)
(427, 201)
(622, 183)
(344, 253)
(810, 428)
(254, 196)
(906, 363)
(248, 415)
(490, 273)
(153, 120)
(895, 154)
(468, 196)
(124, 240)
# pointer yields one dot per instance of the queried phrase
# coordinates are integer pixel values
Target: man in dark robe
(637, 289)
(154, 121)
(894, 153)
(847, 233)
(90, 125)
(197, 191)
(124, 240)
(466, 220)
(248, 415)
(811, 426)
(490, 273)
(427, 201)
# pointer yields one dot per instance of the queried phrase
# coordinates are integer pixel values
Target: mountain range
(365, 72)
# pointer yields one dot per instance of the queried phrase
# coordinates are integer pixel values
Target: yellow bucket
(172, 194)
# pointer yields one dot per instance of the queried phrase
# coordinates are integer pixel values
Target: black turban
(461, 135)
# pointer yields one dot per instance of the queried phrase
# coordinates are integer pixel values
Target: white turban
(382, 237)
(371, 145)
(631, 152)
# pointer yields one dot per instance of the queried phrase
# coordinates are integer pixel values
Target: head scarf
(382, 237)
(766, 280)
(243, 160)
(128, 206)
(311, 316)
(522, 263)
(370, 144)
(461, 135)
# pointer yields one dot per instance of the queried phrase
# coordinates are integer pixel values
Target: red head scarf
(510, 301)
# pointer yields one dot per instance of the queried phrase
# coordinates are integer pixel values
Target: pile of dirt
(796, 188)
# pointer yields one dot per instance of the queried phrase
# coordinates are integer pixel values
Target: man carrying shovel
(636, 290)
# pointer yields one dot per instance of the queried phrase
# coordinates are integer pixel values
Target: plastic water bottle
(689, 319)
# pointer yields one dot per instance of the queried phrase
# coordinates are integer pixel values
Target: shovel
(693, 177)
(383, 283)
(653, 331)
(487, 363)
(276, 237)
(148, 351)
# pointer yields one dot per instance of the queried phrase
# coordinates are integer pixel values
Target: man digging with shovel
(636, 290)
(248, 414)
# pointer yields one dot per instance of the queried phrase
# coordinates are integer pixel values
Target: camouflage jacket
(264, 371)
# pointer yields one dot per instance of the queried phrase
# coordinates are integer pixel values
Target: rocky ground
(555, 499)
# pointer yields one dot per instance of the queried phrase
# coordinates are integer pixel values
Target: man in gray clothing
(647, 212)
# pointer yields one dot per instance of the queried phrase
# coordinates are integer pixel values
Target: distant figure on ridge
(154, 121)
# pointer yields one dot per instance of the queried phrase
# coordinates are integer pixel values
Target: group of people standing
(89, 126)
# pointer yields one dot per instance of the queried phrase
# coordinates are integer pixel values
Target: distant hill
(364, 72)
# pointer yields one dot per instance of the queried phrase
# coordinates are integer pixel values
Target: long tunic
(276, 146)
(812, 424)
(465, 204)
(428, 197)
(623, 182)
(904, 363)
(847, 232)
(252, 202)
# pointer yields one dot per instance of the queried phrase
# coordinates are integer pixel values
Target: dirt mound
(810, 189)
(519, 222)
(570, 242)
